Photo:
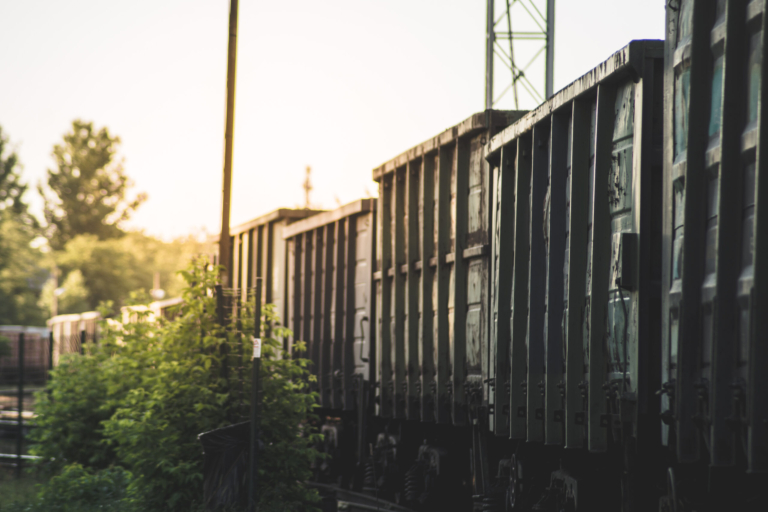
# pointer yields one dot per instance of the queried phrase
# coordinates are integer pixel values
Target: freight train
(556, 309)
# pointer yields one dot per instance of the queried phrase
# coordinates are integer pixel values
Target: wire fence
(37, 356)
(24, 366)
(231, 308)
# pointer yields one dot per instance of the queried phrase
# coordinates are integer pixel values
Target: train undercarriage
(432, 467)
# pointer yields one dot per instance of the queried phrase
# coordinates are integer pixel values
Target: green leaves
(147, 390)
(79, 488)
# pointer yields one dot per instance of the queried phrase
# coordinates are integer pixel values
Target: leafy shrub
(142, 395)
(83, 393)
(78, 487)
(289, 446)
(70, 415)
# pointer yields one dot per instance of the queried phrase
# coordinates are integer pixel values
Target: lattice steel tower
(535, 34)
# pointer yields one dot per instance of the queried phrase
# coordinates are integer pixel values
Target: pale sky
(340, 85)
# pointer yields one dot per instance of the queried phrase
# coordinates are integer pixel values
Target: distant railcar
(329, 306)
(69, 330)
(431, 276)
(329, 298)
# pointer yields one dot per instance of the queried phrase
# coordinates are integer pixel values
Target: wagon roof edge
(628, 59)
(324, 218)
(279, 214)
(469, 126)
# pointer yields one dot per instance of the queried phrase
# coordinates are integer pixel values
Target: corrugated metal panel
(432, 274)
(384, 342)
(329, 296)
(714, 353)
(577, 337)
(534, 381)
(443, 273)
(413, 236)
(578, 235)
(426, 284)
(516, 356)
(398, 318)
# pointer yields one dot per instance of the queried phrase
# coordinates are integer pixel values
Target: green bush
(78, 487)
(83, 393)
(142, 395)
(70, 415)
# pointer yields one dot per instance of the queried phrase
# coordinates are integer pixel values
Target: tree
(21, 277)
(87, 189)
(21, 274)
(11, 188)
(74, 297)
(109, 270)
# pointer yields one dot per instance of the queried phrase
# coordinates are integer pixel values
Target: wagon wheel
(515, 488)
(669, 502)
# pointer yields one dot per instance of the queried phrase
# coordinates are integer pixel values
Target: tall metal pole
(50, 352)
(489, 40)
(229, 133)
(253, 465)
(550, 48)
(55, 299)
(19, 418)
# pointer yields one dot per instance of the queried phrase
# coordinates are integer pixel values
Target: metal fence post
(19, 419)
(82, 342)
(255, 400)
(50, 353)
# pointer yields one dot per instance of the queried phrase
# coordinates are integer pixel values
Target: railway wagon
(574, 354)
(329, 304)
(258, 251)
(431, 273)
(329, 296)
(715, 259)
(68, 332)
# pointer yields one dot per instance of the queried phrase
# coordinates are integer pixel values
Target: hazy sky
(340, 85)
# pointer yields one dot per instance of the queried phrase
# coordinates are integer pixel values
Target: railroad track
(337, 499)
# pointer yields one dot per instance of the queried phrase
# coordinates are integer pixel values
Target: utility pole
(229, 135)
(55, 298)
(537, 27)
(490, 39)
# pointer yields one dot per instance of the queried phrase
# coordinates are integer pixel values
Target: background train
(552, 310)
